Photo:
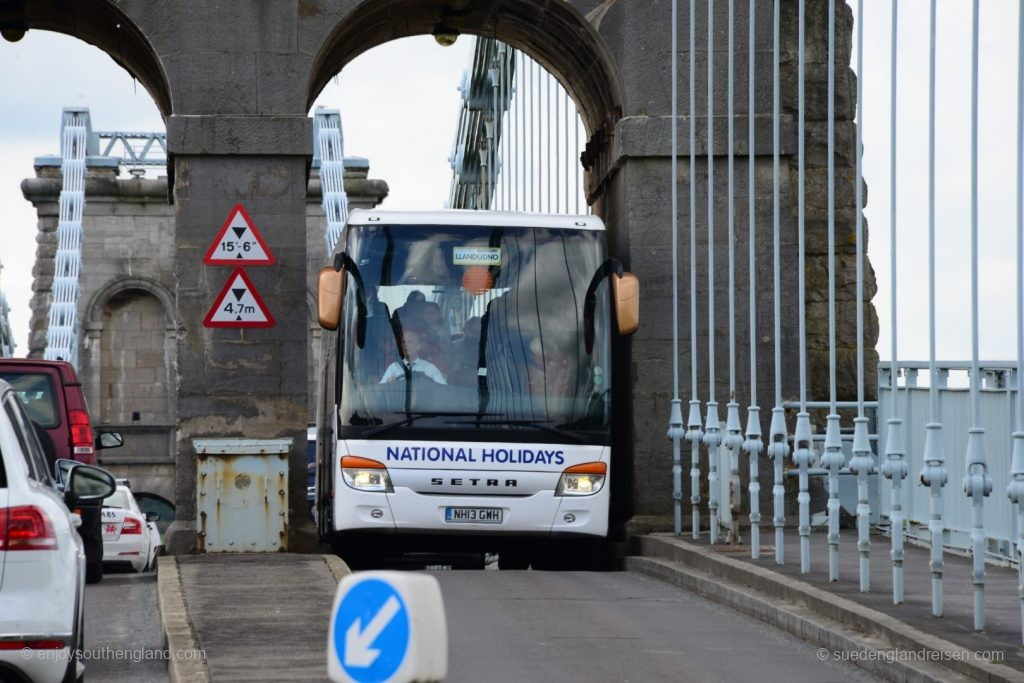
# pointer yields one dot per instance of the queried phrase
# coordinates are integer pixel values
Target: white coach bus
(466, 385)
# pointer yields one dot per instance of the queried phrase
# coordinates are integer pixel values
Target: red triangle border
(209, 258)
(208, 321)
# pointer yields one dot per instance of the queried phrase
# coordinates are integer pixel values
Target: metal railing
(969, 433)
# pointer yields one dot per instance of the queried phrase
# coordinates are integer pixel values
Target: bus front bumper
(539, 514)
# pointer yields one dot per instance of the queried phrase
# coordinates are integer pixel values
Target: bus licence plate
(473, 515)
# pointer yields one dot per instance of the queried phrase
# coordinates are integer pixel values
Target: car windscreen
(37, 394)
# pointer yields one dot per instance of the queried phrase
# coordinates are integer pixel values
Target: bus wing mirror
(330, 289)
(626, 292)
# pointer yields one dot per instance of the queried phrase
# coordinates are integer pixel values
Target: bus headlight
(364, 474)
(582, 480)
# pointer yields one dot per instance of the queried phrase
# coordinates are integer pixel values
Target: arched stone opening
(103, 24)
(555, 34)
(129, 373)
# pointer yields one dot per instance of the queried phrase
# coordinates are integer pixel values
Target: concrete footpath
(255, 616)
(838, 616)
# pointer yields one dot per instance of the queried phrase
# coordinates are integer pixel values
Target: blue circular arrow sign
(371, 631)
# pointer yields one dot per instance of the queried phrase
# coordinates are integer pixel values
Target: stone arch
(553, 33)
(103, 24)
(128, 369)
(94, 310)
(152, 342)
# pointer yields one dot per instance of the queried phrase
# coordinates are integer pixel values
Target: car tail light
(51, 644)
(26, 527)
(81, 434)
(131, 526)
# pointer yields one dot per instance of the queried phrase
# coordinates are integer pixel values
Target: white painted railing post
(862, 464)
(778, 449)
(803, 458)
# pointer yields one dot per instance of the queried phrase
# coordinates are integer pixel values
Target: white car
(129, 538)
(42, 561)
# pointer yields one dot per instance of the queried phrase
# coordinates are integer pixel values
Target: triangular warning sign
(239, 305)
(239, 243)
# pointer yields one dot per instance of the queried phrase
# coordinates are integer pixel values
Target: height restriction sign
(238, 305)
(239, 243)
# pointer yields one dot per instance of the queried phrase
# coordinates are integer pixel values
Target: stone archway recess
(128, 372)
(235, 82)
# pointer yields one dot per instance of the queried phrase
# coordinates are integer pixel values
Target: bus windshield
(475, 333)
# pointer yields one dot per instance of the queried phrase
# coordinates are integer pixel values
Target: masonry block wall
(128, 352)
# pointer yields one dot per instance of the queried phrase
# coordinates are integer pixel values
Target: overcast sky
(400, 105)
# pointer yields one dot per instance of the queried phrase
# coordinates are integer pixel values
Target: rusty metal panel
(242, 494)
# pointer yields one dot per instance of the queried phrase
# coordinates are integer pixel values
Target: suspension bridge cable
(752, 444)
(802, 453)
(977, 483)
(693, 423)
(778, 446)
(733, 439)
(712, 428)
(895, 467)
(933, 473)
(832, 458)
(675, 423)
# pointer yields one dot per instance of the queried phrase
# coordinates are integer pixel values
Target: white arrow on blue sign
(387, 626)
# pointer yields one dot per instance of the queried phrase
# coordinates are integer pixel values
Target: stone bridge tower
(235, 82)
(128, 346)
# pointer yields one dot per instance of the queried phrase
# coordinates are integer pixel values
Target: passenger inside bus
(466, 352)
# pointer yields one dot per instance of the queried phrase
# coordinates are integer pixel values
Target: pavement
(830, 612)
(253, 616)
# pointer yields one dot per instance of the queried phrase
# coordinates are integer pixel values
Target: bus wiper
(411, 417)
(536, 424)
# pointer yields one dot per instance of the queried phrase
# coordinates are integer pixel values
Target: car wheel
(93, 572)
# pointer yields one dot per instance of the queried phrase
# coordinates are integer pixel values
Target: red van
(52, 396)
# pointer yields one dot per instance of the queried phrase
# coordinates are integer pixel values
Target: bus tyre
(359, 552)
(513, 558)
